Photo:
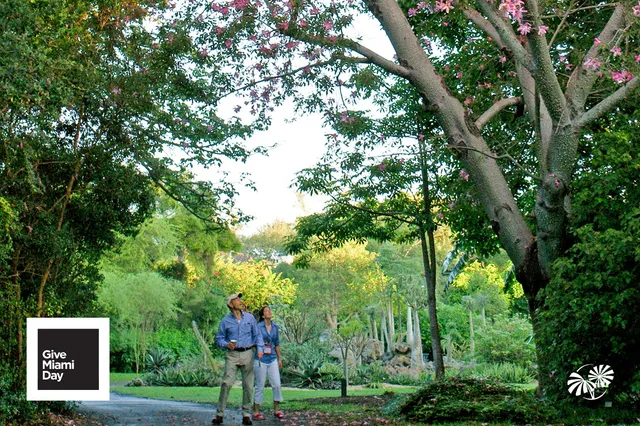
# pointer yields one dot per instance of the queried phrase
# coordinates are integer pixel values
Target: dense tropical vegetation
(482, 184)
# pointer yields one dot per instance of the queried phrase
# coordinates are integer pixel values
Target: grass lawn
(293, 398)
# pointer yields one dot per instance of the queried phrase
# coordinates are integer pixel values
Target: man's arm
(221, 337)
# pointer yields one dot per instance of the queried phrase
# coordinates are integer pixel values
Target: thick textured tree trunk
(557, 113)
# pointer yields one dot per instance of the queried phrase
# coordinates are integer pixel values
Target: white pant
(261, 370)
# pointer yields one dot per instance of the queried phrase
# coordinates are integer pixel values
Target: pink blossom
(464, 175)
(382, 166)
(468, 101)
(219, 30)
(284, 26)
(412, 11)
(420, 137)
(568, 67)
(204, 53)
(514, 9)
(240, 4)
(302, 23)
(621, 76)
(596, 41)
(327, 25)
(487, 85)
(502, 59)
(315, 11)
(440, 216)
(525, 28)
(616, 51)
(542, 29)
(636, 10)
(227, 43)
(423, 5)
(592, 64)
(116, 91)
(291, 45)
(637, 58)
(458, 74)
(443, 6)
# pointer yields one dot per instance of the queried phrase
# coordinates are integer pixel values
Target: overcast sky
(300, 144)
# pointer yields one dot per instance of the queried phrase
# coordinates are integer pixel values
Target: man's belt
(243, 349)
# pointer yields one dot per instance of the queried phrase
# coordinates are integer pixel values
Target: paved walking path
(125, 410)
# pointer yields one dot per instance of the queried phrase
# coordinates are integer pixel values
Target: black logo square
(68, 359)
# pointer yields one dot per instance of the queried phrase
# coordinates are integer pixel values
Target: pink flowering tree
(560, 65)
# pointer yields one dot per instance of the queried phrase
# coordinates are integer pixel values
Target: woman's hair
(261, 313)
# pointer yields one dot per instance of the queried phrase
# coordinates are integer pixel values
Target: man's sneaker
(217, 421)
(247, 420)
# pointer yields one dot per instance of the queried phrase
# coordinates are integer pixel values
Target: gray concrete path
(125, 410)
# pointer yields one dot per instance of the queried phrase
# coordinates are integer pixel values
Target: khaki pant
(234, 361)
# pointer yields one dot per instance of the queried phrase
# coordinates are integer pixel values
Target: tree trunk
(417, 360)
(385, 334)
(391, 323)
(375, 329)
(436, 345)
(409, 327)
(332, 320)
(472, 345)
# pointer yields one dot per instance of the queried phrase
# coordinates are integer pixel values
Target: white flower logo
(595, 386)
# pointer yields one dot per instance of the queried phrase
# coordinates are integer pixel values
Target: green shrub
(502, 373)
(192, 371)
(182, 343)
(332, 371)
(159, 358)
(14, 407)
(506, 340)
(471, 400)
(176, 376)
(590, 312)
(369, 373)
(295, 354)
(309, 374)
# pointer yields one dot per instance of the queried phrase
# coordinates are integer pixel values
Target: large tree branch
(378, 60)
(298, 34)
(506, 33)
(486, 26)
(495, 109)
(608, 103)
(544, 72)
(582, 80)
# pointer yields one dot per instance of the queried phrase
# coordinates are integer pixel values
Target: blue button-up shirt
(245, 332)
(272, 339)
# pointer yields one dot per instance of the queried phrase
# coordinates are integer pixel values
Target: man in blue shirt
(238, 333)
